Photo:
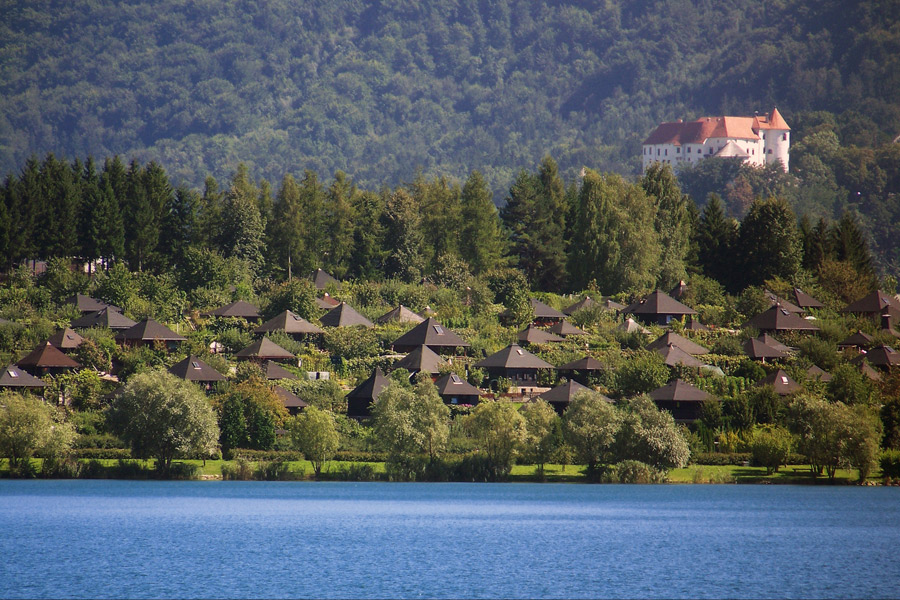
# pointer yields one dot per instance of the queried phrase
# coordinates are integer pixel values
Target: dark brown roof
(542, 311)
(454, 385)
(822, 375)
(674, 355)
(533, 335)
(780, 319)
(290, 323)
(770, 340)
(86, 304)
(321, 279)
(275, 371)
(514, 357)
(344, 315)
(858, 339)
(149, 330)
(400, 314)
(565, 393)
(65, 339)
(265, 349)
(804, 300)
(288, 398)
(13, 376)
(788, 306)
(583, 364)
(564, 328)
(585, 302)
(47, 356)
(107, 317)
(874, 302)
(429, 333)
(194, 369)
(659, 303)
(372, 387)
(682, 342)
(629, 325)
(238, 308)
(782, 383)
(679, 391)
(695, 325)
(883, 356)
(422, 358)
(755, 348)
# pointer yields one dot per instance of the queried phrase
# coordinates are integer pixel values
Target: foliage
(770, 447)
(249, 413)
(500, 432)
(645, 372)
(313, 432)
(649, 435)
(591, 426)
(28, 426)
(161, 416)
(541, 424)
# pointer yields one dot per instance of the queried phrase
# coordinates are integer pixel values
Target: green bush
(633, 471)
(720, 458)
(890, 464)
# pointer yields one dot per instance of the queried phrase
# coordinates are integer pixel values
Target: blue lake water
(374, 540)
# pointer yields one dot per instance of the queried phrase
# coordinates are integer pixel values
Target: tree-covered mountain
(382, 89)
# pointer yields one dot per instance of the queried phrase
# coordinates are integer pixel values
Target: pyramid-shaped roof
(513, 357)
(533, 335)
(804, 300)
(344, 315)
(778, 318)
(679, 391)
(695, 325)
(542, 311)
(782, 383)
(769, 340)
(86, 304)
(774, 299)
(107, 317)
(66, 339)
(47, 356)
(682, 342)
(858, 339)
(290, 323)
(321, 279)
(264, 349)
(275, 371)
(757, 349)
(194, 369)
(327, 302)
(238, 308)
(586, 302)
(400, 314)
(149, 330)
(564, 328)
(421, 358)
(883, 356)
(372, 387)
(874, 302)
(13, 376)
(565, 393)
(629, 325)
(673, 355)
(583, 364)
(820, 374)
(429, 333)
(659, 303)
(289, 399)
(454, 385)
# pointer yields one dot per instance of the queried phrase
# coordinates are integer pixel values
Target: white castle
(758, 140)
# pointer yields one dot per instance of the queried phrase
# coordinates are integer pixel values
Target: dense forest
(381, 89)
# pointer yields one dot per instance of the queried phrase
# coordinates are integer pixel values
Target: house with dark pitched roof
(805, 301)
(659, 308)
(264, 349)
(782, 383)
(238, 309)
(290, 323)
(453, 389)
(65, 339)
(759, 350)
(422, 359)
(293, 403)
(674, 356)
(273, 370)
(671, 338)
(400, 314)
(682, 399)
(533, 335)
(562, 395)
(46, 359)
(86, 304)
(780, 319)
(14, 377)
(514, 363)
(322, 279)
(363, 396)
(565, 329)
(432, 334)
(148, 332)
(581, 369)
(344, 315)
(107, 317)
(196, 370)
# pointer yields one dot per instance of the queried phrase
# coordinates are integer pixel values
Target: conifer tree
(671, 222)
(403, 236)
(369, 251)
(209, 219)
(339, 224)
(768, 243)
(286, 238)
(312, 207)
(847, 243)
(180, 222)
(483, 242)
(715, 239)
(107, 228)
(439, 204)
(243, 228)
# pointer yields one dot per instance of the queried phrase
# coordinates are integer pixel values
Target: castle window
(769, 151)
(678, 150)
(784, 137)
(689, 149)
(657, 151)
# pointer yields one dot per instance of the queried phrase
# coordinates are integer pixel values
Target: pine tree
(180, 223)
(107, 227)
(847, 243)
(439, 204)
(209, 219)
(339, 224)
(286, 245)
(369, 246)
(312, 207)
(716, 236)
(768, 243)
(243, 228)
(483, 242)
(403, 237)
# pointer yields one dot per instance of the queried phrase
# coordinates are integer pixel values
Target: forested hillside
(381, 89)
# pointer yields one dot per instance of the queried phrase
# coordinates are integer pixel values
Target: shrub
(770, 447)
(890, 464)
(633, 471)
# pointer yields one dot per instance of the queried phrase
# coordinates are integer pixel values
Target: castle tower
(776, 139)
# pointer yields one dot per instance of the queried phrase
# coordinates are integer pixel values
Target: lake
(372, 540)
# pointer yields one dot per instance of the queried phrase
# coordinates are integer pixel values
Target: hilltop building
(759, 140)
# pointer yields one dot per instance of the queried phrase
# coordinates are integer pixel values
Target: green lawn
(739, 474)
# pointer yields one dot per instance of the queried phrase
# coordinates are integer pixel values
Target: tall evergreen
(671, 222)
(180, 223)
(482, 240)
(339, 224)
(312, 206)
(847, 243)
(107, 226)
(367, 259)
(439, 204)
(403, 236)
(768, 243)
(243, 227)
(286, 248)
(716, 236)
(209, 219)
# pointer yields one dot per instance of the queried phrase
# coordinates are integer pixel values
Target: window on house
(784, 137)
(677, 150)
(438, 329)
(195, 364)
(769, 151)
(657, 151)
(666, 152)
